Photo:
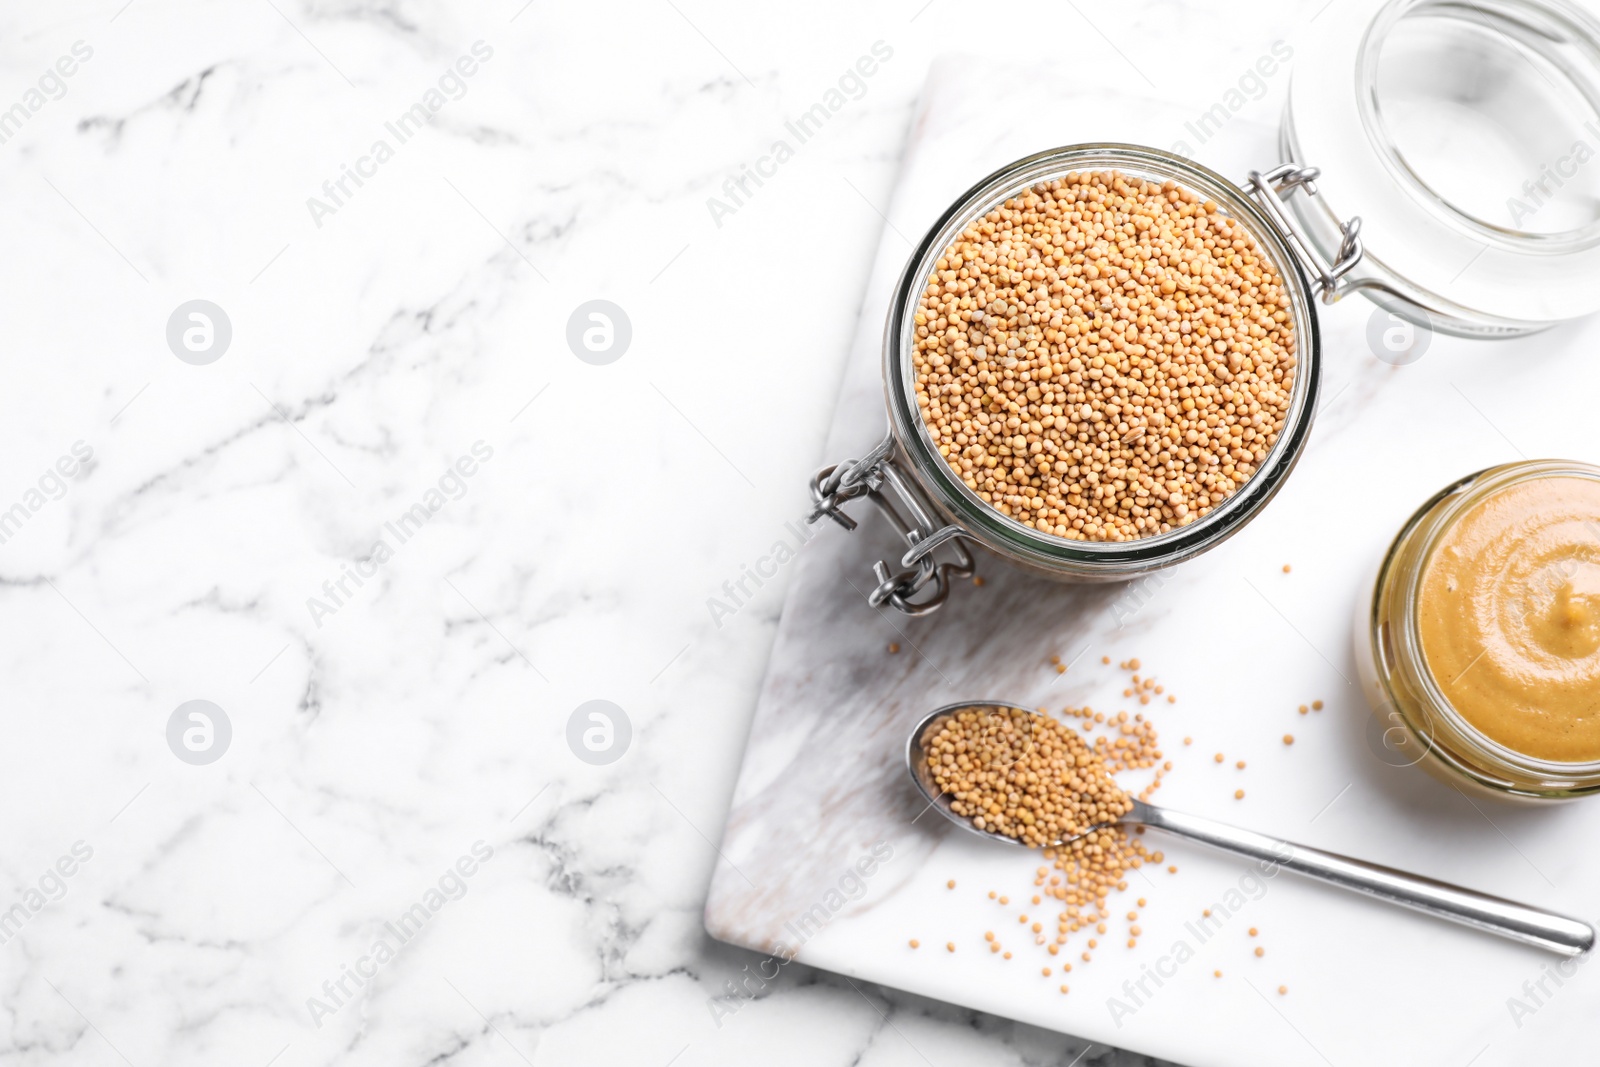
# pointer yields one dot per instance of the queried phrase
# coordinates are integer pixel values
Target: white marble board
(1239, 642)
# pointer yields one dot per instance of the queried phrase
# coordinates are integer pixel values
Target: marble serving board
(827, 851)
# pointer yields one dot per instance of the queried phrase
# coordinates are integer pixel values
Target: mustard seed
(977, 579)
(1288, 739)
(1286, 568)
(915, 943)
(1219, 757)
(1240, 765)
(1283, 989)
(1253, 931)
(1104, 358)
(1260, 951)
(1238, 794)
(950, 946)
(1026, 776)
(951, 884)
(1316, 705)
(1304, 709)
(1217, 973)
(893, 648)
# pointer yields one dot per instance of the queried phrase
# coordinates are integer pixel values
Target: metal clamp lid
(834, 486)
(1270, 190)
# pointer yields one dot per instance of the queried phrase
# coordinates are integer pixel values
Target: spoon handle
(1557, 933)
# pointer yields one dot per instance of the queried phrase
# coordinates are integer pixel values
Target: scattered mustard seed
(1253, 931)
(1217, 973)
(915, 943)
(1316, 705)
(1283, 989)
(1238, 794)
(1288, 739)
(950, 946)
(1304, 709)
(1218, 757)
(1240, 765)
(1260, 951)
(951, 884)
(893, 648)
(977, 579)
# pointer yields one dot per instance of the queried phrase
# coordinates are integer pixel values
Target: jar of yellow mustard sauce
(1480, 648)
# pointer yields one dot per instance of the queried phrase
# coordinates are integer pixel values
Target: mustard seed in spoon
(1023, 775)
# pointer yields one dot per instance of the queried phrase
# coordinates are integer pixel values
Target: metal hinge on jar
(832, 487)
(1270, 190)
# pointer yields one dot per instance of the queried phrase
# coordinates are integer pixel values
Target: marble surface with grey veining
(403, 525)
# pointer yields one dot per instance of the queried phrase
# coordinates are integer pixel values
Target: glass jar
(1470, 148)
(1372, 80)
(941, 510)
(1419, 723)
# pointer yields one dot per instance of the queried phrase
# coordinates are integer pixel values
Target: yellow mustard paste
(1509, 614)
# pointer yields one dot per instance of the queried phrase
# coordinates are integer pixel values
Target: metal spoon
(1568, 937)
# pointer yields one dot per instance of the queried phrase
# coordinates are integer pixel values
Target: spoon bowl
(917, 765)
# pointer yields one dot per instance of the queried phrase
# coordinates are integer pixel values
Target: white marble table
(398, 374)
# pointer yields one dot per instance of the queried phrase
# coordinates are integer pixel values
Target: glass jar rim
(981, 518)
(1440, 512)
(1573, 27)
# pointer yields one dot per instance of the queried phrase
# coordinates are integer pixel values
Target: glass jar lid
(1467, 138)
